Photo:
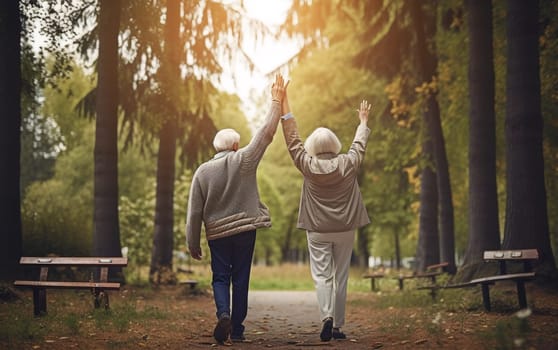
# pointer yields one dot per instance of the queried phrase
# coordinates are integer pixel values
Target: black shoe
(337, 334)
(237, 338)
(223, 328)
(327, 328)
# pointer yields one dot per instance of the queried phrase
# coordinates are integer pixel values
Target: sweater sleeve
(254, 151)
(195, 214)
(295, 147)
(358, 147)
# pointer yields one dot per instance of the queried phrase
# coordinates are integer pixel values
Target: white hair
(225, 139)
(322, 140)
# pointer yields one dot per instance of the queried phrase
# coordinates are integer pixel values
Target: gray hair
(225, 139)
(322, 140)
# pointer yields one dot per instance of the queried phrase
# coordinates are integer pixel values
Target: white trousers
(330, 258)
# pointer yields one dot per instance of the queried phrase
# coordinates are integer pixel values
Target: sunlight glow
(267, 55)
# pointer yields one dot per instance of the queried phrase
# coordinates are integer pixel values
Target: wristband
(287, 116)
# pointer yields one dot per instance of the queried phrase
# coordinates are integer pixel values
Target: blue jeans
(231, 261)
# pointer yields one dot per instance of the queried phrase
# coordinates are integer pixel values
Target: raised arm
(358, 147)
(292, 138)
(363, 112)
(254, 151)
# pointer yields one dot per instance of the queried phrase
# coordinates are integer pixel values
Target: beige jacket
(330, 200)
(224, 191)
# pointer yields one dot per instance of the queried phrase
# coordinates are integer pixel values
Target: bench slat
(437, 266)
(56, 284)
(518, 254)
(514, 276)
(80, 261)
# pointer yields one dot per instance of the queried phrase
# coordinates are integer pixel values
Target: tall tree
(106, 233)
(484, 230)
(10, 144)
(161, 257)
(428, 245)
(425, 22)
(526, 208)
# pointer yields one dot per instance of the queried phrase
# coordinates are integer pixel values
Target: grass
(286, 277)
(71, 314)
(281, 277)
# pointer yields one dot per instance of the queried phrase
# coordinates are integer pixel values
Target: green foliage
(57, 213)
(227, 114)
(55, 221)
(136, 230)
(40, 137)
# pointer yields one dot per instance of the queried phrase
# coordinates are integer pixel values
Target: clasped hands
(279, 94)
(279, 88)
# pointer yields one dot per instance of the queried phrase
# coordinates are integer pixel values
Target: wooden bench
(373, 277)
(503, 257)
(432, 271)
(41, 284)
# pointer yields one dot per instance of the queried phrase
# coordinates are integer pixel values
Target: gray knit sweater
(224, 191)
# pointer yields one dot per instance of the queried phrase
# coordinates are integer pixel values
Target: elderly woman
(331, 209)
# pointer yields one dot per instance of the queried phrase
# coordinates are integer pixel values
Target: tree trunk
(362, 248)
(286, 248)
(447, 235)
(526, 212)
(106, 233)
(10, 144)
(163, 243)
(428, 245)
(484, 230)
(397, 248)
(427, 60)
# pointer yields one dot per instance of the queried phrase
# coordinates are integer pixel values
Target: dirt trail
(288, 319)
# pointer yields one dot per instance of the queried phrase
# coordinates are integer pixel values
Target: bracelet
(275, 100)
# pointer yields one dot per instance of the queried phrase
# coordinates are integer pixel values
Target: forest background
(169, 106)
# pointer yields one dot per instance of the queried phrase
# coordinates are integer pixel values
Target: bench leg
(400, 284)
(101, 299)
(485, 296)
(433, 293)
(39, 301)
(372, 284)
(521, 296)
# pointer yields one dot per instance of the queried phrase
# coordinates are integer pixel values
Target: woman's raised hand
(363, 111)
(278, 88)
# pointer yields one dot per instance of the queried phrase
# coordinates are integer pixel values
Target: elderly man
(224, 196)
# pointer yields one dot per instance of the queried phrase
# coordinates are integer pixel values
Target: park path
(286, 319)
